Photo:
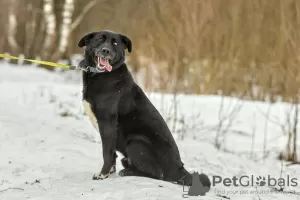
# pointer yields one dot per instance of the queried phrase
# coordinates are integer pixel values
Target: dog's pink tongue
(108, 67)
(105, 63)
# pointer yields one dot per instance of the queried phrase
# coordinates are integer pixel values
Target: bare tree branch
(84, 11)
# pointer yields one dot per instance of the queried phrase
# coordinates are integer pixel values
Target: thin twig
(257, 194)
(281, 187)
(84, 11)
(266, 133)
(293, 163)
(253, 136)
(36, 183)
(10, 188)
(225, 197)
(274, 121)
(3, 181)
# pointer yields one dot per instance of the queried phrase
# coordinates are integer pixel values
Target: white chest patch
(89, 112)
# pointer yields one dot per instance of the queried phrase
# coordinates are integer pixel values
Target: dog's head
(105, 49)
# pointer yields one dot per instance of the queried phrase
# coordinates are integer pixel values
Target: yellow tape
(52, 64)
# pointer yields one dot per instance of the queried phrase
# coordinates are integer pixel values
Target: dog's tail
(187, 178)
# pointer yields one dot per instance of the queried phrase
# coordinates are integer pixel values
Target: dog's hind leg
(126, 162)
(130, 169)
(144, 163)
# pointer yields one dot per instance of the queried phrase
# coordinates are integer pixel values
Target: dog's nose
(105, 51)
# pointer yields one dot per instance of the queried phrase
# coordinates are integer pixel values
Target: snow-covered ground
(49, 149)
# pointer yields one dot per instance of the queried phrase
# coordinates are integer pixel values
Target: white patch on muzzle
(89, 112)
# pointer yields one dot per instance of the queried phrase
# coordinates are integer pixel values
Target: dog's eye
(115, 43)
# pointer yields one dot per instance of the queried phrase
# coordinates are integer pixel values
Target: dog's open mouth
(103, 64)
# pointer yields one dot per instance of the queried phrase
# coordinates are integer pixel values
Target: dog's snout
(105, 51)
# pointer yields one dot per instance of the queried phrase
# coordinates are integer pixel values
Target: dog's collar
(93, 70)
(89, 69)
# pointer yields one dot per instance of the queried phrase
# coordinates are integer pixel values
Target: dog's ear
(85, 40)
(127, 42)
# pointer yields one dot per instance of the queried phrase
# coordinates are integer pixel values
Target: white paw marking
(100, 176)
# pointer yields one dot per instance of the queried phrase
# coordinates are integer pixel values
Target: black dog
(126, 119)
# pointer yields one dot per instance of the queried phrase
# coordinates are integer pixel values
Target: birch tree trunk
(3, 21)
(12, 28)
(67, 15)
(50, 21)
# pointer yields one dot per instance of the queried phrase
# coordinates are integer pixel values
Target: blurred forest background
(246, 49)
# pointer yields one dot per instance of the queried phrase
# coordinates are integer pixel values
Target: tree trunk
(50, 21)
(12, 28)
(67, 15)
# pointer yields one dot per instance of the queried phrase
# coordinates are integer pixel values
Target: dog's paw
(100, 176)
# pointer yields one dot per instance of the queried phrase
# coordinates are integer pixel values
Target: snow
(50, 150)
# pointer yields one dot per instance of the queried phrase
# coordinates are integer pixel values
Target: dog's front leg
(108, 132)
